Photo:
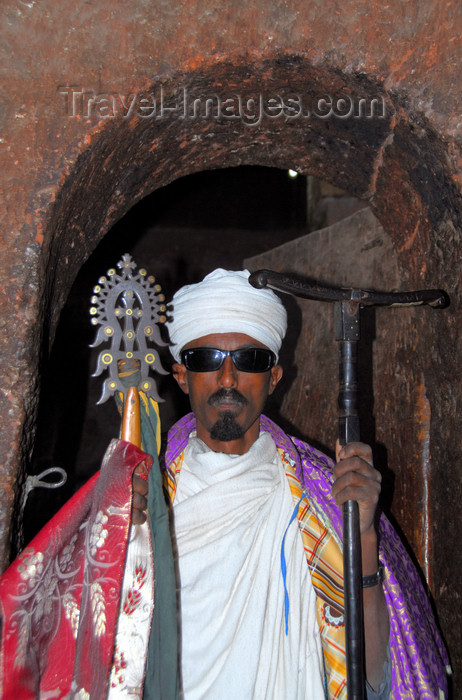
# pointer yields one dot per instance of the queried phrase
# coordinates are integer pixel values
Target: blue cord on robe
(284, 567)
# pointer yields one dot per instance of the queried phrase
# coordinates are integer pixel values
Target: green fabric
(161, 676)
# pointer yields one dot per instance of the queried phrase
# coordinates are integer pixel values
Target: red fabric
(59, 599)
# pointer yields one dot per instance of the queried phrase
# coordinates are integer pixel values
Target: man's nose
(228, 373)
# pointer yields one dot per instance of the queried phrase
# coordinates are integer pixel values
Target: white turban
(225, 302)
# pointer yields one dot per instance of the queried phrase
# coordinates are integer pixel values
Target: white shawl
(230, 516)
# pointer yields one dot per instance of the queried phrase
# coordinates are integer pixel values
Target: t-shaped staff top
(307, 289)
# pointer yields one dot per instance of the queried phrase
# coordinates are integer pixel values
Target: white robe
(230, 516)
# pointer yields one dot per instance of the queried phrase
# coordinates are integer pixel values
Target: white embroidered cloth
(134, 621)
(230, 515)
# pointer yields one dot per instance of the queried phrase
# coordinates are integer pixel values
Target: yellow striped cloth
(325, 562)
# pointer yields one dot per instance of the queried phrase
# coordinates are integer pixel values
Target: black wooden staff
(348, 303)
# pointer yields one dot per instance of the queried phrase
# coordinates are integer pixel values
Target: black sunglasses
(211, 359)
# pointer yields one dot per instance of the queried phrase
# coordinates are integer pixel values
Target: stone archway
(395, 160)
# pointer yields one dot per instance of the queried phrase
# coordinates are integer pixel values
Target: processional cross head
(127, 306)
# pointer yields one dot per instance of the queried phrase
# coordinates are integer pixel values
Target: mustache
(222, 394)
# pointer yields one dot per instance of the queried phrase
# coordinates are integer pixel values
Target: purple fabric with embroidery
(418, 656)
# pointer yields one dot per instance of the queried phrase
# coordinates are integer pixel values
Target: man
(256, 526)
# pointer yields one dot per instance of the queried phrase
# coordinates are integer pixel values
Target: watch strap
(373, 579)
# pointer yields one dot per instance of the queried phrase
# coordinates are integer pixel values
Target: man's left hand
(356, 479)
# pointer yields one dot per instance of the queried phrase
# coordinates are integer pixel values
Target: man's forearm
(376, 622)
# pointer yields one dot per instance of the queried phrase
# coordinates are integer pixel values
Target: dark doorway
(179, 233)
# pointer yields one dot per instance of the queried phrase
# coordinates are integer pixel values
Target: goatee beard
(226, 428)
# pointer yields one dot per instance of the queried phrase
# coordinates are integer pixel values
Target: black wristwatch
(373, 579)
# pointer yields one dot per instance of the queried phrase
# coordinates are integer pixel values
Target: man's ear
(181, 376)
(275, 377)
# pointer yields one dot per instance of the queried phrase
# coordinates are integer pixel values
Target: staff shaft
(347, 334)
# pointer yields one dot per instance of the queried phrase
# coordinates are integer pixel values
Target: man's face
(227, 403)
